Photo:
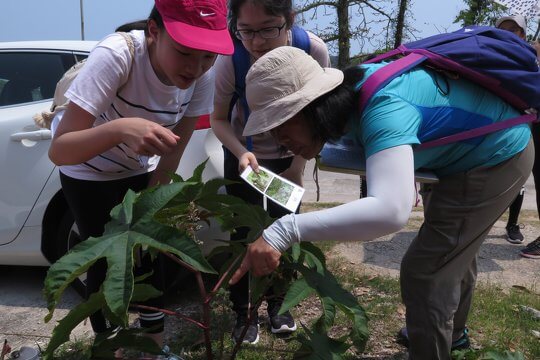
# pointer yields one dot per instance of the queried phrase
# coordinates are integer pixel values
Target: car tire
(67, 236)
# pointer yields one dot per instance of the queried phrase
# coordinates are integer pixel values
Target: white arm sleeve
(386, 209)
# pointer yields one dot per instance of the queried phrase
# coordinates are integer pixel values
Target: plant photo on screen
(279, 191)
(260, 180)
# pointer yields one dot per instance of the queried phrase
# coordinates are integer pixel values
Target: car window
(30, 76)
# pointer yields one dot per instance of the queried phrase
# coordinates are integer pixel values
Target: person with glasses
(259, 27)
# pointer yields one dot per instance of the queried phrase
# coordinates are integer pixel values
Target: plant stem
(206, 315)
(225, 276)
(205, 326)
(180, 262)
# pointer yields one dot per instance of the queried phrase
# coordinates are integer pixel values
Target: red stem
(205, 305)
(225, 275)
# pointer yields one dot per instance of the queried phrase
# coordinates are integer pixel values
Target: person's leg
(532, 250)
(153, 321)
(363, 187)
(239, 293)
(438, 270)
(513, 233)
(90, 202)
(535, 131)
(468, 283)
(284, 323)
(515, 208)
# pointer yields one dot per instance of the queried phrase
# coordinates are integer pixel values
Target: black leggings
(515, 207)
(536, 167)
(91, 202)
(239, 293)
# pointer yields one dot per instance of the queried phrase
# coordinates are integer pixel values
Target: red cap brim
(216, 41)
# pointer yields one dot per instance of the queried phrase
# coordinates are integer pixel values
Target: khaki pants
(438, 271)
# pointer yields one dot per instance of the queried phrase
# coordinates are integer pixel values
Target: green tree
(479, 12)
(378, 23)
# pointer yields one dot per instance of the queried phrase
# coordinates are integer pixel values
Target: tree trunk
(400, 25)
(344, 34)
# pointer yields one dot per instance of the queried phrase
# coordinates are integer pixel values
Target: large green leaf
(78, 314)
(329, 313)
(198, 172)
(118, 249)
(309, 254)
(318, 346)
(332, 295)
(251, 216)
(359, 333)
(132, 224)
(298, 291)
(144, 207)
(105, 344)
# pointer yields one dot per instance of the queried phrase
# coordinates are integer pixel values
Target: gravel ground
(499, 261)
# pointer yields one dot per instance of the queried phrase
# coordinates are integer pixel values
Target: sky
(60, 19)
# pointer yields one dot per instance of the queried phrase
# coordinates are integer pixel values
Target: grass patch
(74, 350)
(498, 322)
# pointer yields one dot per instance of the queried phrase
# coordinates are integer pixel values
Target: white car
(36, 226)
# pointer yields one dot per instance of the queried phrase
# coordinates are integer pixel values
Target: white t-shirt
(264, 145)
(101, 89)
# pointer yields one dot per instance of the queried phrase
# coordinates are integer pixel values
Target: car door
(27, 83)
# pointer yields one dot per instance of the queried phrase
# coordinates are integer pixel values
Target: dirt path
(499, 261)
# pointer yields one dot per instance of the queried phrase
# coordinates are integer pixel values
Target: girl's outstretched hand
(261, 259)
(248, 159)
(146, 137)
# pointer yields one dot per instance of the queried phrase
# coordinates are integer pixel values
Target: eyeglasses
(266, 33)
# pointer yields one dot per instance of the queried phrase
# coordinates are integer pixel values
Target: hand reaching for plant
(261, 259)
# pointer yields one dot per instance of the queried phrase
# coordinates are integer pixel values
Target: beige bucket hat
(281, 83)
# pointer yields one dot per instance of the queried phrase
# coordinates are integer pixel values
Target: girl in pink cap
(132, 110)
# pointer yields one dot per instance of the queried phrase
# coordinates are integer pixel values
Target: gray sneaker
(280, 324)
(513, 233)
(252, 333)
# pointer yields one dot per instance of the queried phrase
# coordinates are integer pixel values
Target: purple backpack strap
(400, 50)
(480, 131)
(384, 75)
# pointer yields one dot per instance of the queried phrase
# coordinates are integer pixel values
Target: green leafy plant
(165, 220)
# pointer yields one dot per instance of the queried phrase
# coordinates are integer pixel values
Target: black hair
(328, 115)
(271, 7)
(135, 25)
(143, 24)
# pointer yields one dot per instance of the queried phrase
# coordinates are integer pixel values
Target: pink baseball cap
(197, 24)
